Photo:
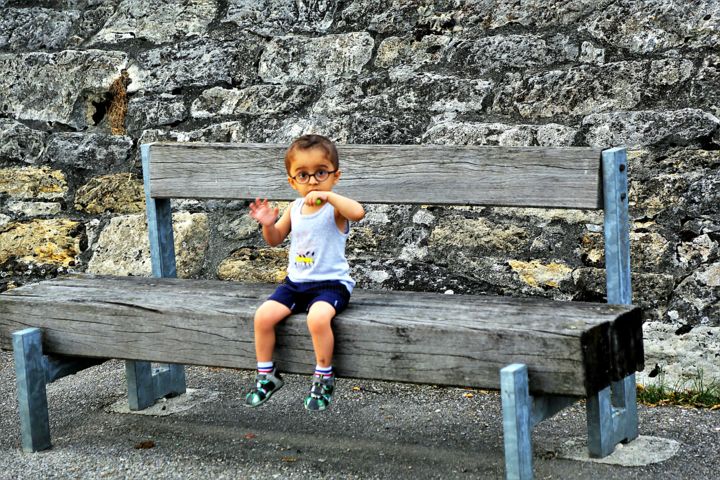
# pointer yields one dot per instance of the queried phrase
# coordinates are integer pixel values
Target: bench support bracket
(33, 371)
(146, 384)
(612, 417)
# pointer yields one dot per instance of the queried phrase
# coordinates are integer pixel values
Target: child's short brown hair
(306, 142)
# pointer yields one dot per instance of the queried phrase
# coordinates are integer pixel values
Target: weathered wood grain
(409, 174)
(570, 347)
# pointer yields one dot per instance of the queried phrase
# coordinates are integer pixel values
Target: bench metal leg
(612, 417)
(31, 393)
(521, 412)
(33, 371)
(147, 384)
(516, 407)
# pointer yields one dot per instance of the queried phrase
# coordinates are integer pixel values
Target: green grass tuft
(698, 395)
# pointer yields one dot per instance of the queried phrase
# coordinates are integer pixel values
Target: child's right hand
(263, 213)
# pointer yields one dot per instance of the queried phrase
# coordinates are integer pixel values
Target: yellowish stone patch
(264, 265)
(40, 241)
(119, 193)
(537, 274)
(32, 183)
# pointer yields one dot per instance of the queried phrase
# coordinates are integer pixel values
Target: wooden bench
(542, 354)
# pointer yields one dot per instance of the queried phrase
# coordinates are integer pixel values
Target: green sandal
(321, 393)
(265, 385)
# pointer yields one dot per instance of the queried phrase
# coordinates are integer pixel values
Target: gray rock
(680, 127)
(57, 87)
(233, 132)
(313, 61)
(157, 22)
(20, 143)
(195, 63)
(589, 53)
(264, 17)
(34, 209)
(279, 17)
(420, 93)
(470, 133)
(537, 13)
(649, 26)
(527, 52)
(410, 54)
(36, 28)
(253, 100)
(705, 89)
(150, 111)
(123, 247)
(576, 91)
(87, 151)
(683, 360)
(670, 71)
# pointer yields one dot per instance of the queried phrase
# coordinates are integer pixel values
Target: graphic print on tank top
(305, 257)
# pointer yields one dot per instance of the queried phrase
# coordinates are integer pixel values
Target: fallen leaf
(145, 445)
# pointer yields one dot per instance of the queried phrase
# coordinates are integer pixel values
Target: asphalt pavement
(374, 430)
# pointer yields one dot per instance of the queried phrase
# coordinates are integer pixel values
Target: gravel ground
(375, 430)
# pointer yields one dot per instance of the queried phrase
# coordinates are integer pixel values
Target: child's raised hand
(263, 213)
(316, 198)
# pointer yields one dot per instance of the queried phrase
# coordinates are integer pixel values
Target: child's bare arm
(347, 207)
(274, 231)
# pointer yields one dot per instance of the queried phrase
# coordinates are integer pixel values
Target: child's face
(304, 164)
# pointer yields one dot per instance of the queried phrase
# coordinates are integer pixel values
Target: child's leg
(268, 380)
(319, 321)
(267, 316)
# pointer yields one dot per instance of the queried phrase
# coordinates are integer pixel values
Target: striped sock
(265, 367)
(324, 371)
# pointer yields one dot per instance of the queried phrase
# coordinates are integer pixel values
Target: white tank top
(317, 247)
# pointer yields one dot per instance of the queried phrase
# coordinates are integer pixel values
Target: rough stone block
(262, 265)
(254, 100)
(157, 22)
(151, 111)
(279, 17)
(195, 63)
(313, 61)
(459, 232)
(499, 52)
(34, 209)
(93, 152)
(634, 129)
(54, 241)
(537, 274)
(470, 133)
(118, 193)
(651, 26)
(23, 29)
(123, 247)
(57, 87)
(581, 90)
(33, 183)
(18, 142)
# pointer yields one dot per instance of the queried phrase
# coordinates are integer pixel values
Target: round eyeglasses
(320, 176)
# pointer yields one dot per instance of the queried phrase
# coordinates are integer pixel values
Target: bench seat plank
(459, 175)
(571, 348)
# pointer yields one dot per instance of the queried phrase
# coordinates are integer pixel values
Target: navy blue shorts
(299, 297)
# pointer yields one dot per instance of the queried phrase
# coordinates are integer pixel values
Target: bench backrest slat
(409, 174)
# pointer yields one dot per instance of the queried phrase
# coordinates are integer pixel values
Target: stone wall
(84, 82)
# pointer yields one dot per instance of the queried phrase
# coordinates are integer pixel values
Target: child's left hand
(313, 197)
